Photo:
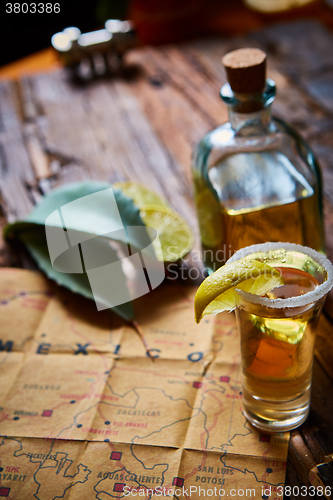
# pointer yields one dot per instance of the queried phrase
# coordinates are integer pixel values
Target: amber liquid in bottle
(245, 227)
(259, 196)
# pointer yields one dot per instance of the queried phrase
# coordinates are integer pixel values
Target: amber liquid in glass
(277, 351)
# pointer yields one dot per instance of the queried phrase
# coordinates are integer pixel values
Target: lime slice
(140, 194)
(209, 218)
(283, 329)
(217, 293)
(175, 236)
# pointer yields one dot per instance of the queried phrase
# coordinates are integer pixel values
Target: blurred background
(156, 22)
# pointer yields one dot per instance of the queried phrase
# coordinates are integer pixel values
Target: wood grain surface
(142, 125)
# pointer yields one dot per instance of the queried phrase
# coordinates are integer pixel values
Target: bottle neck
(253, 123)
(250, 114)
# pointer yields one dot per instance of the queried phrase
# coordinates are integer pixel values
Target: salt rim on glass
(291, 302)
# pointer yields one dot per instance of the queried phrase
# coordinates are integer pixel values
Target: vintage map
(93, 408)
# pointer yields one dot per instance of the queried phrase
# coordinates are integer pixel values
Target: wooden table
(143, 125)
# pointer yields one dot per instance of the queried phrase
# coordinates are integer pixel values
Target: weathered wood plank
(15, 166)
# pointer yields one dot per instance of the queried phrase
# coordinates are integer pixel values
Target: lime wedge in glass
(217, 293)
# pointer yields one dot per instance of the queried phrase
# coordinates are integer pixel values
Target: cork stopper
(246, 70)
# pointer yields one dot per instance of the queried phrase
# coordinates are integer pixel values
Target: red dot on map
(47, 413)
(115, 455)
(119, 487)
(197, 384)
(178, 481)
(225, 378)
(265, 438)
(4, 492)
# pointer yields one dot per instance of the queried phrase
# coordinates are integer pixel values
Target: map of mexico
(89, 406)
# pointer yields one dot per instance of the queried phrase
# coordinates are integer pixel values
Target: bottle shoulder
(279, 140)
(225, 135)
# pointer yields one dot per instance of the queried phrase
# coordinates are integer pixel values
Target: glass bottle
(255, 179)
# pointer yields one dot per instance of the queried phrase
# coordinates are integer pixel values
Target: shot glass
(277, 333)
